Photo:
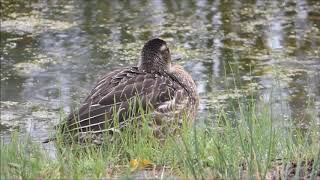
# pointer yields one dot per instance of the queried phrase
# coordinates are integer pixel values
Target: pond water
(53, 52)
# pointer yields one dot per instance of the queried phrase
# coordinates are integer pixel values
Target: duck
(157, 86)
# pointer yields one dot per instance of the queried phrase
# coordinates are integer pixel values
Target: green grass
(248, 145)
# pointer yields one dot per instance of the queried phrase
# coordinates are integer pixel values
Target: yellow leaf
(146, 163)
(140, 164)
(134, 163)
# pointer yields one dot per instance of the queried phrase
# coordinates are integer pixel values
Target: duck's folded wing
(120, 97)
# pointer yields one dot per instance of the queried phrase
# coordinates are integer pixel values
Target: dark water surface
(53, 52)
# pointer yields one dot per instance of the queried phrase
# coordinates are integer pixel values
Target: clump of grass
(22, 159)
(246, 146)
(250, 146)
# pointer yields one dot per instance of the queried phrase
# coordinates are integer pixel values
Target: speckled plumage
(167, 91)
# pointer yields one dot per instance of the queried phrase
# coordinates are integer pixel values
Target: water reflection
(232, 49)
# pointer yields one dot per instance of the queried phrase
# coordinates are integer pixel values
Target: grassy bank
(247, 145)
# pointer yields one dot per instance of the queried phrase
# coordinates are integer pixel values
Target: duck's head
(155, 56)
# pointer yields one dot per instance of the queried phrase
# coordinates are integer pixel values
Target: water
(53, 52)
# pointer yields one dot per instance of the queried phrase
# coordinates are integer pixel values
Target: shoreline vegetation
(249, 145)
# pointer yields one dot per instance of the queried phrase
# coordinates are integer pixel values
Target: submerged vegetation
(250, 144)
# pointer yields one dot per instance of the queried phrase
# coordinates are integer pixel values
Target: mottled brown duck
(156, 86)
